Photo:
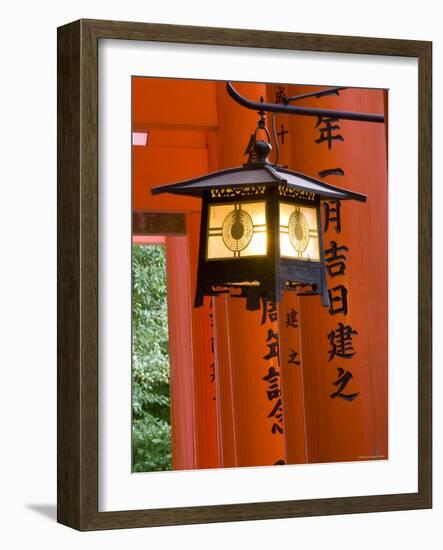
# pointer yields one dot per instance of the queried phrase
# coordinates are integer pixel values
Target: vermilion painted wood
(177, 137)
(292, 386)
(335, 426)
(244, 398)
(226, 435)
(177, 150)
(296, 442)
(183, 423)
(226, 432)
(203, 361)
(147, 239)
(255, 442)
(193, 424)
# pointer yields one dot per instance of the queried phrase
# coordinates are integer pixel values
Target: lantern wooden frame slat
(77, 274)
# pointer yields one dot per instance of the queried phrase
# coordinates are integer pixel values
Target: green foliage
(151, 428)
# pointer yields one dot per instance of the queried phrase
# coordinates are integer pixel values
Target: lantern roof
(258, 174)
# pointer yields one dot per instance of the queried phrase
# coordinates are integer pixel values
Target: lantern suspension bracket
(296, 110)
(258, 149)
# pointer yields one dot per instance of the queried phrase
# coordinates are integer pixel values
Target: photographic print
(259, 274)
(244, 275)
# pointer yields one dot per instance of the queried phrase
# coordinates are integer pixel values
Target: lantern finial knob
(258, 150)
(262, 149)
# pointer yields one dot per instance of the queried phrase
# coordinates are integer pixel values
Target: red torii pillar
(243, 397)
(339, 429)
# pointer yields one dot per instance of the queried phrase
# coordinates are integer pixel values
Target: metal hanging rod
(321, 93)
(307, 111)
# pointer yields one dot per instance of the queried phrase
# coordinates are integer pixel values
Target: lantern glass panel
(299, 237)
(236, 230)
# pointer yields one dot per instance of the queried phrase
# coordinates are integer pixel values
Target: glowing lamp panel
(299, 232)
(236, 230)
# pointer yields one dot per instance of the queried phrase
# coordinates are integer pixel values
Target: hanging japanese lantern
(260, 229)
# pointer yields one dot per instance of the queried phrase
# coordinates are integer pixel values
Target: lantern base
(254, 291)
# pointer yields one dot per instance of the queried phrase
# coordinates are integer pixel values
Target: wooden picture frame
(78, 276)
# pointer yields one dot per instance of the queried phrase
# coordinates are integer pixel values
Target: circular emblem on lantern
(237, 230)
(298, 231)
